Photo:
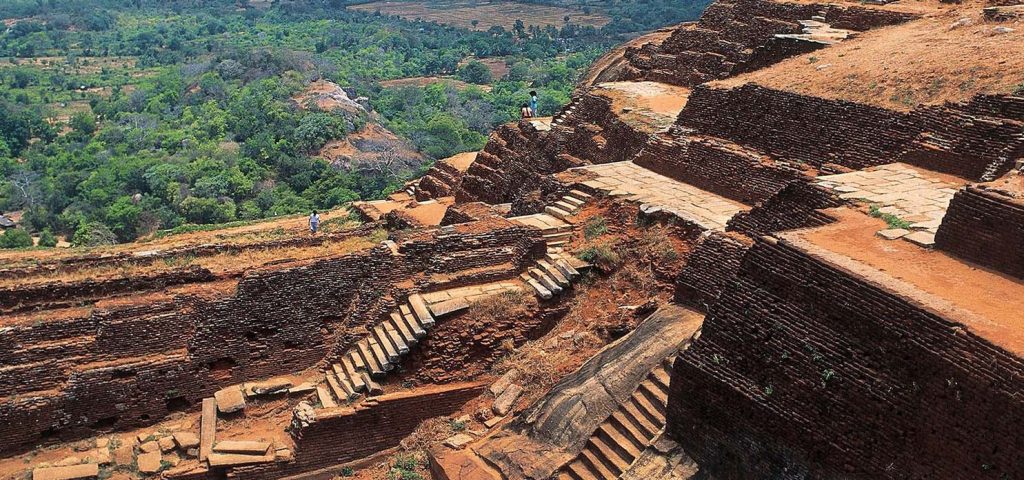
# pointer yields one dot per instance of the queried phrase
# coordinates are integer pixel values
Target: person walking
(533, 103)
(314, 223)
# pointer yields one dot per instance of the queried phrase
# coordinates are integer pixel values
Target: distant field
(486, 13)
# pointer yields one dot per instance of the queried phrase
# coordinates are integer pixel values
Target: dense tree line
(196, 122)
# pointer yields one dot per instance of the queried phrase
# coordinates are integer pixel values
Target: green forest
(121, 118)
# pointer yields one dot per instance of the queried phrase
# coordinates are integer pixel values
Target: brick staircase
(569, 205)
(617, 443)
(377, 354)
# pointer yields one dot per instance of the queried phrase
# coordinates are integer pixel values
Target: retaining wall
(987, 227)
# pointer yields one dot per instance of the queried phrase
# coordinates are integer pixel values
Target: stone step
(368, 361)
(567, 270)
(578, 471)
(398, 323)
(68, 472)
(378, 353)
(373, 389)
(351, 372)
(568, 207)
(557, 213)
(419, 308)
(607, 455)
(649, 410)
(395, 337)
(579, 195)
(540, 290)
(344, 381)
(325, 398)
(661, 377)
(554, 237)
(335, 387)
(617, 441)
(629, 430)
(575, 202)
(411, 322)
(554, 273)
(644, 425)
(380, 335)
(596, 465)
(545, 280)
(654, 395)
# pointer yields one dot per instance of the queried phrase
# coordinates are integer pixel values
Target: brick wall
(798, 205)
(76, 375)
(709, 269)
(805, 370)
(717, 166)
(343, 435)
(987, 227)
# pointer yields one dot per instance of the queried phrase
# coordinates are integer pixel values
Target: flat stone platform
(707, 209)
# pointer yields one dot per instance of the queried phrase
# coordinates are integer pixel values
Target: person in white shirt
(314, 223)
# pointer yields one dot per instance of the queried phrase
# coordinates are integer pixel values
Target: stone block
(166, 443)
(892, 233)
(242, 446)
(186, 440)
(230, 399)
(88, 470)
(504, 403)
(922, 238)
(507, 379)
(458, 441)
(235, 459)
(149, 447)
(149, 462)
(124, 454)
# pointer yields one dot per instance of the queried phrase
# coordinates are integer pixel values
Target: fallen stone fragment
(149, 462)
(186, 440)
(149, 447)
(100, 455)
(166, 444)
(283, 453)
(88, 470)
(490, 423)
(458, 441)
(922, 238)
(504, 403)
(124, 454)
(230, 399)
(269, 387)
(207, 427)
(892, 233)
(232, 459)
(192, 452)
(305, 387)
(507, 379)
(69, 461)
(242, 446)
(1001, 30)
(304, 415)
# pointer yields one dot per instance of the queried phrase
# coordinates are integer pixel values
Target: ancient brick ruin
(838, 294)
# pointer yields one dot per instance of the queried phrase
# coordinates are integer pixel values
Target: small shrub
(892, 220)
(812, 60)
(347, 472)
(46, 239)
(601, 255)
(595, 227)
(456, 425)
(15, 238)
(404, 468)
(378, 235)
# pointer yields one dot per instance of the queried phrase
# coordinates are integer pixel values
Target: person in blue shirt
(533, 102)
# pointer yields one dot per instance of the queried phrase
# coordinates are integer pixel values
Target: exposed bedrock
(127, 363)
(811, 367)
(555, 429)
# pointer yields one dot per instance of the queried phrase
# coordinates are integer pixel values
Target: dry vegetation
(485, 13)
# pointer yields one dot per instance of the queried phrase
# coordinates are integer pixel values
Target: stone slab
(186, 440)
(458, 441)
(88, 470)
(892, 233)
(230, 399)
(242, 446)
(149, 462)
(207, 427)
(507, 379)
(922, 238)
(507, 400)
(235, 459)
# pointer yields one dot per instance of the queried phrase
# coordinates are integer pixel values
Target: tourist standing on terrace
(314, 222)
(525, 111)
(533, 103)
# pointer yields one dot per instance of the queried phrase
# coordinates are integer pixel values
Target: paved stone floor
(542, 221)
(915, 196)
(686, 201)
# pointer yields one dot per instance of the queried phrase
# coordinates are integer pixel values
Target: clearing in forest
(486, 14)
